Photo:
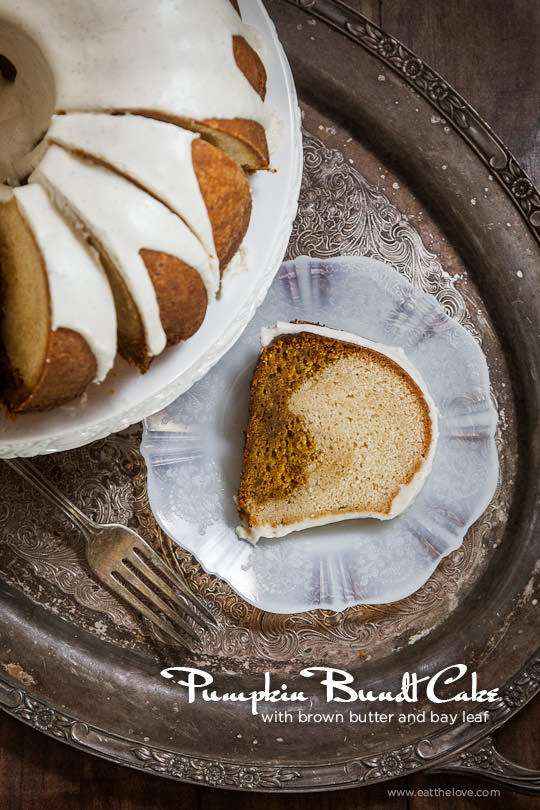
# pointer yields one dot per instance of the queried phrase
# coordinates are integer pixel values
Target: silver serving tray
(392, 167)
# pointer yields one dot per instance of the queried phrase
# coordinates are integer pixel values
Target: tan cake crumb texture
(333, 428)
(41, 368)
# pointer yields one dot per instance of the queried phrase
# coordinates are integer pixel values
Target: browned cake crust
(41, 367)
(68, 369)
(227, 196)
(131, 337)
(180, 293)
(182, 300)
(250, 64)
(224, 188)
(242, 139)
(278, 449)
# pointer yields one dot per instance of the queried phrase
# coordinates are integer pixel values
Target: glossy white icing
(80, 297)
(173, 57)
(123, 219)
(154, 154)
(408, 492)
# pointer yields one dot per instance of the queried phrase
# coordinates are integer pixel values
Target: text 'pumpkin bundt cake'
(122, 166)
(338, 428)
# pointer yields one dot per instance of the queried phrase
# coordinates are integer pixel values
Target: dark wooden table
(490, 51)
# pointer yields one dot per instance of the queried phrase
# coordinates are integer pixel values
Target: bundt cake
(131, 230)
(56, 340)
(127, 136)
(338, 428)
(194, 179)
(195, 64)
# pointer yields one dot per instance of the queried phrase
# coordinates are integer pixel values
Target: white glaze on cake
(408, 492)
(123, 219)
(175, 58)
(156, 155)
(71, 269)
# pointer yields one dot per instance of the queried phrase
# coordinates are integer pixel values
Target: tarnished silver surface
(30, 538)
(341, 213)
(40, 558)
(127, 566)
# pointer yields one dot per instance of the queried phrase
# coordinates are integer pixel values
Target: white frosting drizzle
(80, 297)
(173, 57)
(154, 154)
(123, 219)
(408, 492)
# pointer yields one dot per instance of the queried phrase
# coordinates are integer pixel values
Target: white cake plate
(126, 396)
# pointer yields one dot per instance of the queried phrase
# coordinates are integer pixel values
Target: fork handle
(48, 489)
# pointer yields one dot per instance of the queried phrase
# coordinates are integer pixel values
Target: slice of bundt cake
(339, 428)
(158, 270)
(58, 325)
(207, 189)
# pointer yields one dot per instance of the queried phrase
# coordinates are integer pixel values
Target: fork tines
(144, 573)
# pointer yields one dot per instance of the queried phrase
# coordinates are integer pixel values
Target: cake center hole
(27, 102)
(8, 71)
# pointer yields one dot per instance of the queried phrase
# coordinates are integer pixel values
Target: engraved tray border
(462, 748)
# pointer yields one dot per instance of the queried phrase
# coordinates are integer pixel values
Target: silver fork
(126, 564)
